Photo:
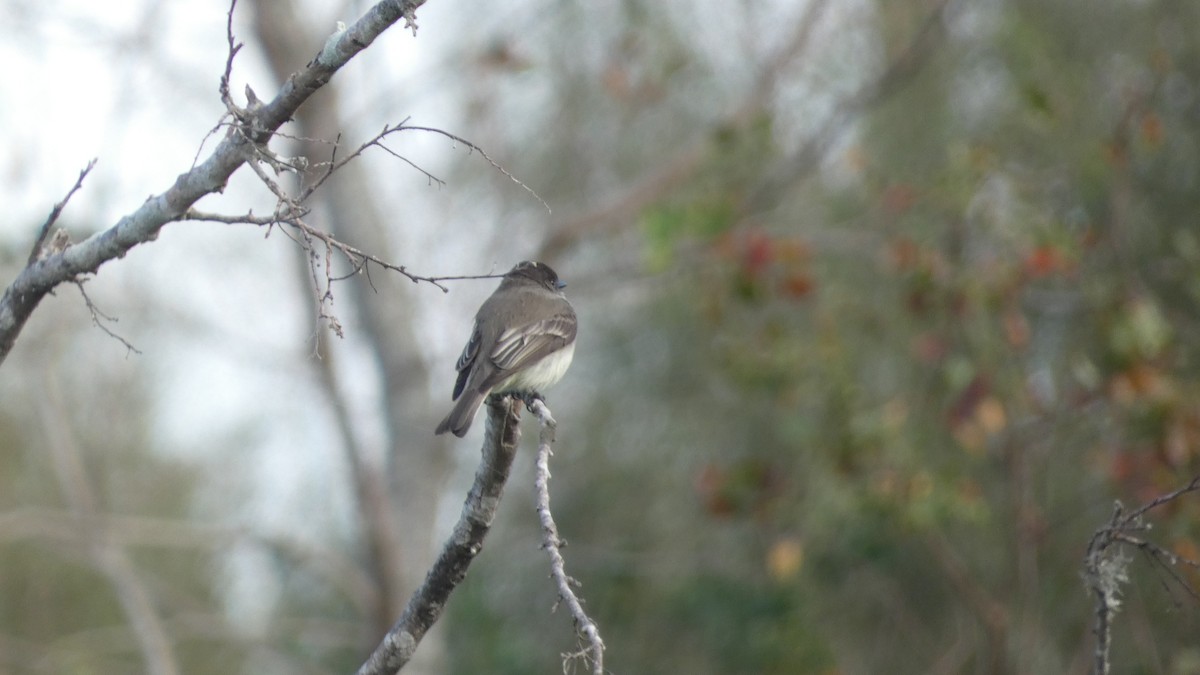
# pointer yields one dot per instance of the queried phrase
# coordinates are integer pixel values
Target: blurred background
(882, 306)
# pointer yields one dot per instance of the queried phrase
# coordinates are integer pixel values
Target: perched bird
(523, 342)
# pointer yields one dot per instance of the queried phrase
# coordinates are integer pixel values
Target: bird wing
(469, 354)
(521, 346)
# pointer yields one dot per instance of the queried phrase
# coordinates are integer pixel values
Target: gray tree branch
(425, 607)
(253, 127)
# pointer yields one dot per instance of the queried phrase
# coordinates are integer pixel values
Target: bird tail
(460, 418)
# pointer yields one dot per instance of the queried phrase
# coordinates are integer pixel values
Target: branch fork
(1106, 565)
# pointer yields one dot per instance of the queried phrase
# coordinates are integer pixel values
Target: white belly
(541, 375)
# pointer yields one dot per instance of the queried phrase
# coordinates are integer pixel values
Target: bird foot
(529, 398)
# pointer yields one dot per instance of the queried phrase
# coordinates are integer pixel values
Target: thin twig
(289, 209)
(100, 319)
(234, 48)
(334, 164)
(1166, 561)
(495, 165)
(55, 212)
(285, 201)
(353, 255)
(1136, 514)
(247, 218)
(588, 630)
(233, 111)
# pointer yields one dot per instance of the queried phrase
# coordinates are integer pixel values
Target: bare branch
(286, 203)
(334, 164)
(234, 48)
(426, 604)
(257, 126)
(588, 630)
(495, 165)
(357, 258)
(234, 219)
(290, 211)
(101, 320)
(465, 277)
(1106, 564)
(1135, 516)
(1165, 561)
(55, 212)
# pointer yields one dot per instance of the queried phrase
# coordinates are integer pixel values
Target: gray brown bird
(522, 343)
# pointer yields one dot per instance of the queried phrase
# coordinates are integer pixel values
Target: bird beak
(561, 284)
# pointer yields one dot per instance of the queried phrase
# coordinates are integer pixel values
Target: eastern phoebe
(523, 341)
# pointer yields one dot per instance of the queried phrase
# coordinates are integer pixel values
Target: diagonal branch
(692, 158)
(426, 604)
(255, 127)
(901, 71)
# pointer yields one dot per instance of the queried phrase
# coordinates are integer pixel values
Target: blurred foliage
(862, 414)
(60, 610)
(893, 406)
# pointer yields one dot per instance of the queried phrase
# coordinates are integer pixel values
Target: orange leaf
(1186, 548)
(968, 400)
(615, 81)
(758, 253)
(785, 558)
(792, 249)
(929, 348)
(1152, 129)
(904, 253)
(990, 415)
(1016, 329)
(797, 285)
(899, 198)
(1043, 261)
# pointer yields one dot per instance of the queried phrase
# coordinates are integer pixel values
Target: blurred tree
(397, 487)
(165, 540)
(884, 304)
(893, 374)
